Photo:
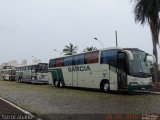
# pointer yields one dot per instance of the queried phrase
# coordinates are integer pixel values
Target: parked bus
(8, 73)
(116, 69)
(34, 73)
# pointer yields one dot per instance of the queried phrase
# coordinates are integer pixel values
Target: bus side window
(109, 55)
(78, 59)
(59, 62)
(88, 58)
(68, 61)
(36, 68)
(32, 68)
(51, 63)
(26, 67)
(29, 67)
(92, 57)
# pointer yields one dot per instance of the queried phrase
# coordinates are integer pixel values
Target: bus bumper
(135, 88)
(39, 81)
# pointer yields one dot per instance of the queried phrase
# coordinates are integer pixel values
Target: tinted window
(27, 68)
(109, 57)
(78, 59)
(43, 68)
(33, 67)
(51, 63)
(92, 57)
(68, 61)
(59, 62)
(24, 68)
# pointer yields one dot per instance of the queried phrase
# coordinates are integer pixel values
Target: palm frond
(71, 49)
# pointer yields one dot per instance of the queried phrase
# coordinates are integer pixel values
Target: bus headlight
(133, 83)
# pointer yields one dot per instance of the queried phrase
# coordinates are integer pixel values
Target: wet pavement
(6, 108)
(10, 112)
(48, 102)
(156, 87)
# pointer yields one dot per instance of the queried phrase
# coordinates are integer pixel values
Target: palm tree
(87, 49)
(69, 50)
(147, 11)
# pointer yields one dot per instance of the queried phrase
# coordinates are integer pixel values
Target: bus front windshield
(43, 68)
(139, 64)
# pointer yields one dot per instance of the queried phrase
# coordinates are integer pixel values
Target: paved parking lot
(48, 102)
(9, 111)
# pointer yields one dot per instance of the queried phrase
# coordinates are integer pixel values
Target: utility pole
(116, 39)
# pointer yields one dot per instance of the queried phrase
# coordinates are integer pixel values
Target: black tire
(20, 79)
(56, 83)
(105, 86)
(61, 84)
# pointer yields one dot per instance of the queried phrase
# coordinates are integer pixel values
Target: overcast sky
(37, 27)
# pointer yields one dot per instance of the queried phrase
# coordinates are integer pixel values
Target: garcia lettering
(79, 68)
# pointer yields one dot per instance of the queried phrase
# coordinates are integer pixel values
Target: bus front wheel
(105, 86)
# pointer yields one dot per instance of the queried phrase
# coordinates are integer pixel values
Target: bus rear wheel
(105, 87)
(56, 83)
(61, 84)
(19, 79)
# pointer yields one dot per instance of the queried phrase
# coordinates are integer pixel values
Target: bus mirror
(154, 58)
(129, 54)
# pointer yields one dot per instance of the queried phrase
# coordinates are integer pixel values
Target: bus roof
(8, 67)
(31, 64)
(136, 49)
(109, 48)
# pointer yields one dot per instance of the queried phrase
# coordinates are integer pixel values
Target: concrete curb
(22, 110)
(156, 93)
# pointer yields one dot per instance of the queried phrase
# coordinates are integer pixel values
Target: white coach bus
(107, 69)
(8, 73)
(34, 73)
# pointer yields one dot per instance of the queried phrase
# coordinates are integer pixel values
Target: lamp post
(99, 42)
(57, 51)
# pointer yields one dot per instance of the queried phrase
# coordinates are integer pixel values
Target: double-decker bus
(116, 69)
(8, 73)
(34, 73)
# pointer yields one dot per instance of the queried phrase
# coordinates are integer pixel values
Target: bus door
(57, 75)
(81, 77)
(113, 75)
(122, 68)
(53, 76)
(68, 74)
(75, 78)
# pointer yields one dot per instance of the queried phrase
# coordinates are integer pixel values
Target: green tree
(87, 49)
(147, 11)
(69, 50)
